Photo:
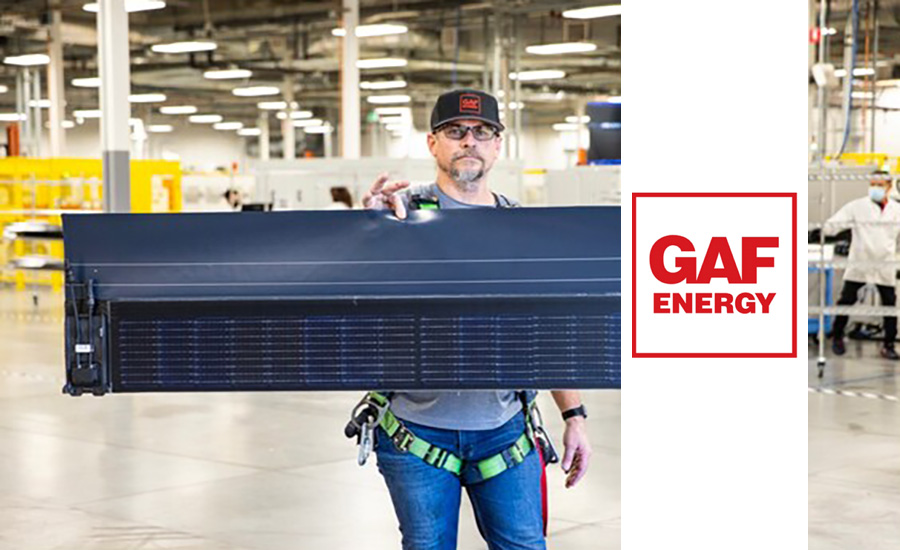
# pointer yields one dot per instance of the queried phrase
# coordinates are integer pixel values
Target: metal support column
(823, 92)
(115, 86)
(34, 116)
(56, 87)
(288, 137)
(21, 109)
(25, 94)
(263, 135)
(874, 79)
(517, 95)
(350, 123)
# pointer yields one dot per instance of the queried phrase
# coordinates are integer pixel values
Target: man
(233, 199)
(465, 140)
(875, 225)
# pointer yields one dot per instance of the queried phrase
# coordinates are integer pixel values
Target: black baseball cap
(466, 105)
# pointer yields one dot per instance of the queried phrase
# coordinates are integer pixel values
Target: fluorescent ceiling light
(381, 63)
(27, 60)
(146, 98)
(67, 124)
(159, 128)
(862, 71)
(205, 119)
(382, 85)
(594, 12)
(89, 82)
(396, 127)
(184, 47)
(249, 132)
(392, 110)
(862, 95)
(11, 117)
(295, 115)
(888, 83)
(225, 74)
(3, 89)
(324, 129)
(548, 74)
(307, 123)
(255, 91)
(388, 99)
(615, 99)
(178, 110)
(393, 120)
(578, 119)
(87, 113)
(566, 126)
(363, 31)
(563, 47)
(829, 30)
(131, 6)
(228, 125)
(272, 105)
(40, 103)
(513, 105)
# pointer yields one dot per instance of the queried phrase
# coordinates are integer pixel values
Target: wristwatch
(577, 411)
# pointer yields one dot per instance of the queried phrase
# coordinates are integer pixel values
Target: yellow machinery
(34, 189)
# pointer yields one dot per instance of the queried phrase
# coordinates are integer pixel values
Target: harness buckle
(402, 439)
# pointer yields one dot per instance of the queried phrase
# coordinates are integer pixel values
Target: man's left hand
(578, 451)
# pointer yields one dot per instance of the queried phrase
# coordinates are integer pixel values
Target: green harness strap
(406, 441)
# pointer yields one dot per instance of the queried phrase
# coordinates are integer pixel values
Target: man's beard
(466, 179)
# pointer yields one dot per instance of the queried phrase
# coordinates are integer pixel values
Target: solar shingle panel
(478, 299)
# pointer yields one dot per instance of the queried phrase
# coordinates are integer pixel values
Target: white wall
(199, 147)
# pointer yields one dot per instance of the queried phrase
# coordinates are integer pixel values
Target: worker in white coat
(875, 224)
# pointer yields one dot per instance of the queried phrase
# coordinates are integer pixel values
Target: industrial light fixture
(381, 63)
(615, 99)
(295, 115)
(146, 98)
(11, 117)
(184, 47)
(547, 74)
(249, 132)
(566, 126)
(364, 31)
(66, 124)
(87, 113)
(89, 82)
(131, 6)
(396, 127)
(205, 119)
(382, 84)
(578, 119)
(393, 120)
(307, 123)
(159, 128)
(862, 95)
(27, 60)
(561, 48)
(513, 105)
(392, 110)
(228, 125)
(323, 129)
(3, 89)
(255, 91)
(178, 110)
(594, 12)
(861, 71)
(272, 105)
(225, 74)
(40, 103)
(388, 99)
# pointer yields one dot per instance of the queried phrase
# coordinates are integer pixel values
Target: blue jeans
(507, 507)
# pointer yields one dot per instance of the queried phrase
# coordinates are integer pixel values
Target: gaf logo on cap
(714, 275)
(470, 103)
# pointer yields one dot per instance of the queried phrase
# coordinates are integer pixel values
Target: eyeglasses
(457, 132)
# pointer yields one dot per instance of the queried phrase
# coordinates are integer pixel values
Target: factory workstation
(347, 273)
(853, 267)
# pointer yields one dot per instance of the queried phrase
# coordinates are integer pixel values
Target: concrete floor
(240, 471)
(854, 453)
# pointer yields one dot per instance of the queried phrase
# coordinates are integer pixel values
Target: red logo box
(634, 275)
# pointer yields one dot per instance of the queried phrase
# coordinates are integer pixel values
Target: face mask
(876, 193)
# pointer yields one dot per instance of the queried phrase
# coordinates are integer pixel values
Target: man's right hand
(383, 194)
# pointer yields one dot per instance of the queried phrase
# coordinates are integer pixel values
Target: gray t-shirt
(455, 410)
